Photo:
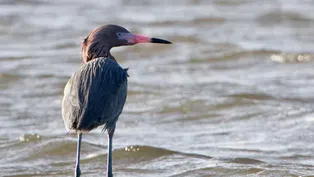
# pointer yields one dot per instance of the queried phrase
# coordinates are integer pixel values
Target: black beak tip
(160, 41)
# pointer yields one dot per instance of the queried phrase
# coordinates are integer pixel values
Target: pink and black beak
(144, 39)
(136, 39)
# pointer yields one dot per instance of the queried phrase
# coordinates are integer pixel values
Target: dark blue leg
(109, 155)
(77, 167)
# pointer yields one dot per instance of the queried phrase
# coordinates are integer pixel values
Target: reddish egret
(95, 94)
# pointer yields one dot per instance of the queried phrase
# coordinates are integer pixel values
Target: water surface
(233, 96)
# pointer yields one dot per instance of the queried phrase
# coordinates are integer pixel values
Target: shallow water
(233, 96)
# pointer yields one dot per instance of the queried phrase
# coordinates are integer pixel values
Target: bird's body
(95, 94)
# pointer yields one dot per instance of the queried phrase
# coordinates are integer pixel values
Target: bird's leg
(110, 132)
(77, 166)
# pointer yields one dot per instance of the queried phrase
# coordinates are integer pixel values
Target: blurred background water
(233, 96)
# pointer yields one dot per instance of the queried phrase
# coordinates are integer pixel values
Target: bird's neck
(111, 57)
(96, 51)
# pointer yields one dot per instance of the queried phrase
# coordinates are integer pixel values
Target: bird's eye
(119, 34)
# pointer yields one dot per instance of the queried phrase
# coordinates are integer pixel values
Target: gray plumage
(95, 95)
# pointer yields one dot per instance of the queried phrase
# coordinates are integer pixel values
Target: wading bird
(95, 94)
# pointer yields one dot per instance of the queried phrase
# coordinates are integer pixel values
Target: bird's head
(102, 39)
